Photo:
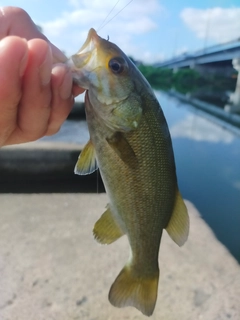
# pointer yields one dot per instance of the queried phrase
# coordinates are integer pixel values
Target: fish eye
(117, 65)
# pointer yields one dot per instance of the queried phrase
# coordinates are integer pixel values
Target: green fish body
(131, 144)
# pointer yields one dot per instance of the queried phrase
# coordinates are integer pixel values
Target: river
(207, 154)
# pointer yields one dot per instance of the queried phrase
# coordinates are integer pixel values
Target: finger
(62, 98)
(34, 109)
(16, 21)
(13, 61)
(76, 90)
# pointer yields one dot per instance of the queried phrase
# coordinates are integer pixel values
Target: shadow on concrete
(52, 183)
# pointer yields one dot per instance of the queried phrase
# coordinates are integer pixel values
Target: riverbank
(221, 114)
(51, 267)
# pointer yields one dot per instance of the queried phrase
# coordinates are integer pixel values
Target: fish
(131, 146)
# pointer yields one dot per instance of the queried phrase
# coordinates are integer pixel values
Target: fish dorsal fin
(106, 229)
(86, 163)
(178, 226)
(123, 149)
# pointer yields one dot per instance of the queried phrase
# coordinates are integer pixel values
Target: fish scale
(130, 140)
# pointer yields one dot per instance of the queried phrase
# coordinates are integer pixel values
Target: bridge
(222, 54)
(218, 58)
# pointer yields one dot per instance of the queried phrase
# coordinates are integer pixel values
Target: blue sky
(148, 30)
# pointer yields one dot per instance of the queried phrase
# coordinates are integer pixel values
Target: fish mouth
(81, 58)
(90, 43)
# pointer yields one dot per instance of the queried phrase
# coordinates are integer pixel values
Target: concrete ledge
(78, 110)
(38, 157)
(56, 154)
(44, 167)
(51, 267)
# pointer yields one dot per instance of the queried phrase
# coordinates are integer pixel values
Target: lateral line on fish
(103, 25)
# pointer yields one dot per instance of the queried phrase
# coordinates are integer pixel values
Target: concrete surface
(51, 154)
(49, 160)
(52, 269)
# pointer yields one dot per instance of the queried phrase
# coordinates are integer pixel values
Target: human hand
(36, 94)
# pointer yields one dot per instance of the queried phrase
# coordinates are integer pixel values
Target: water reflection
(207, 157)
(72, 132)
(200, 129)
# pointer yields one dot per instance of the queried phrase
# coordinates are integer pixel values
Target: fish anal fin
(138, 292)
(106, 229)
(86, 163)
(123, 149)
(178, 226)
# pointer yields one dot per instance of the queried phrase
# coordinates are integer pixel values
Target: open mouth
(83, 55)
(90, 43)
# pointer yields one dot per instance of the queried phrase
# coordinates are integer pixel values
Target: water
(207, 154)
(71, 132)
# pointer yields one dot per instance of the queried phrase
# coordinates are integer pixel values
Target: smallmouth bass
(131, 144)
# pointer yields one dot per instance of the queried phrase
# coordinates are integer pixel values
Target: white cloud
(217, 24)
(236, 184)
(200, 129)
(70, 29)
(74, 3)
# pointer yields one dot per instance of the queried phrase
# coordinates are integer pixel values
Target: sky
(148, 30)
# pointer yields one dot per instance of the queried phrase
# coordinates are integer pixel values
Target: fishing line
(103, 25)
(99, 28)
(97, 181)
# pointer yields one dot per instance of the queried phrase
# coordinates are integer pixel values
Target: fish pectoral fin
(123, 149)
(178, 226)
(130, 289)
(106, 229)
(86, 163)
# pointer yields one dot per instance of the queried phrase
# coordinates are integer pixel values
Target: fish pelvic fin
(178, 226)
(86, 163)
(106, 230)
(122, 148)
(136, 291)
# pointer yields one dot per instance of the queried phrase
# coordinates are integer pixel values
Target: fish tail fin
(136, 291)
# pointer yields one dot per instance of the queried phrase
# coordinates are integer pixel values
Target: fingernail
(65, 90)
(46, 68)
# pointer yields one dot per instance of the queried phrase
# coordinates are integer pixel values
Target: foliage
(159, 78)
(185, 80)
